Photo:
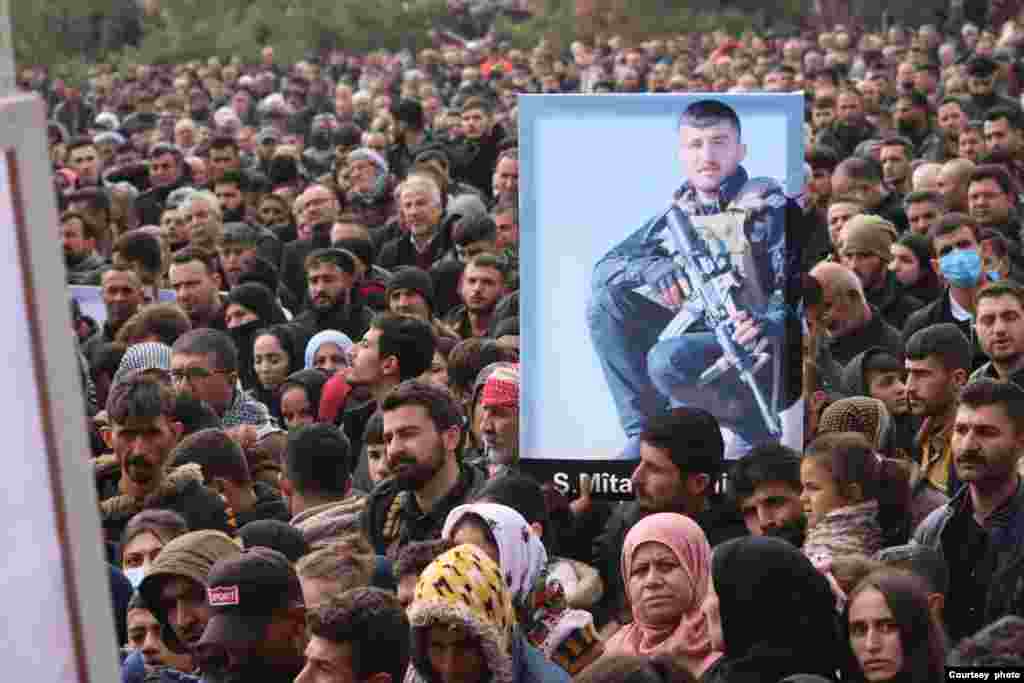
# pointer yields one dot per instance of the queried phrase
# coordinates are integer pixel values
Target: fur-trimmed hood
(124, 506)
(324, 523)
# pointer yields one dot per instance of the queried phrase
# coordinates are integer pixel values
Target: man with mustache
(482, 286)
(938, 361)
(143, 432)
(410, 291)
(766, 487)
(334, 301)
(980, 530)
(423, 436)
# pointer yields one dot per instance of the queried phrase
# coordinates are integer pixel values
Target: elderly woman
(666, 564)
(370, 188)
(566, 636)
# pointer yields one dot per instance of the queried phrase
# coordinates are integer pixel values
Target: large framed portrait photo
(653, 253)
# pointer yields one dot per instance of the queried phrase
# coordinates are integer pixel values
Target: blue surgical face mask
(993, 275)
(961, 268)
(135, 575)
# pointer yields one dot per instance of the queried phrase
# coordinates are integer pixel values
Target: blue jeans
(624, 326)
(679, 362)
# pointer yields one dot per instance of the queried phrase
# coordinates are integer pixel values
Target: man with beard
(143, 432)
(681, 457)
(971, 143)
(121, 290)
(82, 264)
(867, 243)
(317, 483)
(979, 530)
(1004, 140)
(923, 208)
(166, 174)
(410, 291)
(499, 419)
(766, 488)
(422, 433)
(853, 324)
(913, 121)
(395, 348)
(196, 282)
(938, 361)
(895, 156)
(174, 589)
(952, 118)
(410, 136)
(982, 73)
(850, 127)
(1000, 326)
(230, 192)
(257, 625)
(478, 154)
(225, 157)
(991, 199)
(334, 303)
(483, 284)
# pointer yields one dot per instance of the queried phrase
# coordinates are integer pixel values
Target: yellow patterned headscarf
(465, 587)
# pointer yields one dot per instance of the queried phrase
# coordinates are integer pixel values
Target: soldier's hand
(747, 330)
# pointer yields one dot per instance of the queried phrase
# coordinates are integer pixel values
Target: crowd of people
(308, 464)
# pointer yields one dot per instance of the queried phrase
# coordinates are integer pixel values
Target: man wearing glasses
(204, 363)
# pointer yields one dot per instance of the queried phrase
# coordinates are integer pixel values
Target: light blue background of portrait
(593, 169)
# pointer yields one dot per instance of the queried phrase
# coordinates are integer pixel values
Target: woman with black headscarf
(300, 397)
(275, 356)
(249, 308)
(771, 612)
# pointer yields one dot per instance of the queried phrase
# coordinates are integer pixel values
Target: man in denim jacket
(639, 289)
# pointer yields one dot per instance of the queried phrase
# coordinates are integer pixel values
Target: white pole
(7, 78)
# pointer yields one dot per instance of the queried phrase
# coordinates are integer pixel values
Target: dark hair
(821, 157)
(920, 196)
(859, 168)
(191, 253)
(95, 198)
(851, 460)
(989, 392)
(413, 558)
(276, 535)
(999, 244)
(635, 669)
(1011, 114)
(907, 599)
(900, 141)
(373, 433)
(922, 560)
(164, 320)
(232, 177)
(474, 229)
(882, 361)
(216, 453)
(106, 359)
(240, 235)
(472, 103)
(489, 260)
(951, 99)
(440, 406)
(285, 336)
(90, 231)
(409, 339)
(769, 462)
(1001, 288)
(163, 148)
(691, 436)
(194, 414)
(945, 342)
(824, 101)
(523, 494)
(140, 247)
(374, 623)
(318, 460)
(336, 257)
(506, 201)
(950, 223)
(361, 247)
(162, 523)
(993, 172)
(468, 358)
(223, 142)
(998, 644)
(916, 99)
(209, 342)
(707, 113)
(139, 397)
(261, 271)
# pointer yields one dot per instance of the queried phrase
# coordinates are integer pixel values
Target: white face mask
(135, 575)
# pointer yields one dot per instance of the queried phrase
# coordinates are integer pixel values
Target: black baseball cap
(244, 592)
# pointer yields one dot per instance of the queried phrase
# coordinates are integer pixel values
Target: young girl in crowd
(249, 308)
(892, 634)
(856, 502)
(300, 397)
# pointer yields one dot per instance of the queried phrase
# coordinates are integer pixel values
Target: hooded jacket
(877, 332)
(325, 523)
(269, 505)
(465, 587)
(182, 491)
(190, 555)
(893, 303)
(940, 311)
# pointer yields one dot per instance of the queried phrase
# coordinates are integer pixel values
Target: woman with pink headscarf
(666, 565)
